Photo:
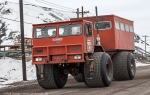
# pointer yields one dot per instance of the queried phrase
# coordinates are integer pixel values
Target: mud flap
(90, 65)
(40, 72)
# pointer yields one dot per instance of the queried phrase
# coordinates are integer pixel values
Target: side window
(88, 29)
(122, 26)
(117, 25)
(105, 25)
(131, 29)
(127, 27)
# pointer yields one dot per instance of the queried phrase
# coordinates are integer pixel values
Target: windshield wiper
(43, 28)
(67, 25)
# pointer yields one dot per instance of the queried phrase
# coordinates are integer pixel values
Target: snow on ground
(11, 71)
(141, 64)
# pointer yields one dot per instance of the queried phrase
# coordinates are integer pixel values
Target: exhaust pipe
(98, 36)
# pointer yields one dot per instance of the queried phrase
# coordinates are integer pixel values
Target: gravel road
(140, 85)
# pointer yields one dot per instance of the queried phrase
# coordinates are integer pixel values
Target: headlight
(76, 57)
(38, 59)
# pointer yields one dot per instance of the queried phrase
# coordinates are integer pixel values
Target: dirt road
(139, 86)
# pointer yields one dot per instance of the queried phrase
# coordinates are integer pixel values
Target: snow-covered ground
(11, 71)
(141, 64)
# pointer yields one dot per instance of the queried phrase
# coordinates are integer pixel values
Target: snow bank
(11, 71)
(141, 64)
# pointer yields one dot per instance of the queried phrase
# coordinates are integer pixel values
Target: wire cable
(28, 3)
(15, 20)
(55, 5)
(25, 14)
(91, 14)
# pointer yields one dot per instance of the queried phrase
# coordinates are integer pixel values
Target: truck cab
(63, 42)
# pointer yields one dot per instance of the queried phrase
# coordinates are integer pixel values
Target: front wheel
(102, 71)
(52, 76)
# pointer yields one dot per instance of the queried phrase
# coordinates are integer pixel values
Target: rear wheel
(102, 71)
(124, 66)
(53, 77)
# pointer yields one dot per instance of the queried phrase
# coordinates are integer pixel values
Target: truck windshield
(47, 31)
(71, 29)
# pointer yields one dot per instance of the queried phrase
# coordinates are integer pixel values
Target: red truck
(75, 47)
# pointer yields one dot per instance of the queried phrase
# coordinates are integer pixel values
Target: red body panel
(113, 39)
(60, 49)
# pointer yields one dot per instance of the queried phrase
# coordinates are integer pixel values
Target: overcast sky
(135, 10)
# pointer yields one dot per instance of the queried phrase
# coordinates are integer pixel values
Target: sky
(135, 10)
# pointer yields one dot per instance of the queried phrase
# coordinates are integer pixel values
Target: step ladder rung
(91, 59)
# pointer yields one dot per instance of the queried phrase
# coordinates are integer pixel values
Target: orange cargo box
(116, 33)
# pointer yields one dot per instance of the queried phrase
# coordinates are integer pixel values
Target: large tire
(79, 78)
(53, 77)
(124, 66)
(102, 71)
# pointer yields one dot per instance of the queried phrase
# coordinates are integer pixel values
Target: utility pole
(78, 13)
(82, 12)
(22, 40)
(0, 38)
(145, 44)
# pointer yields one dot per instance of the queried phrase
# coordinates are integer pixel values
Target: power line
(28, 3)
(30, 8)
(12, 2)
(91, 14)
(57, 5)
(42, 6)
(46, 3)
(25, 14)
(14, 20)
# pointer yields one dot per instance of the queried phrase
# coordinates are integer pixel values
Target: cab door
(89, 38)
